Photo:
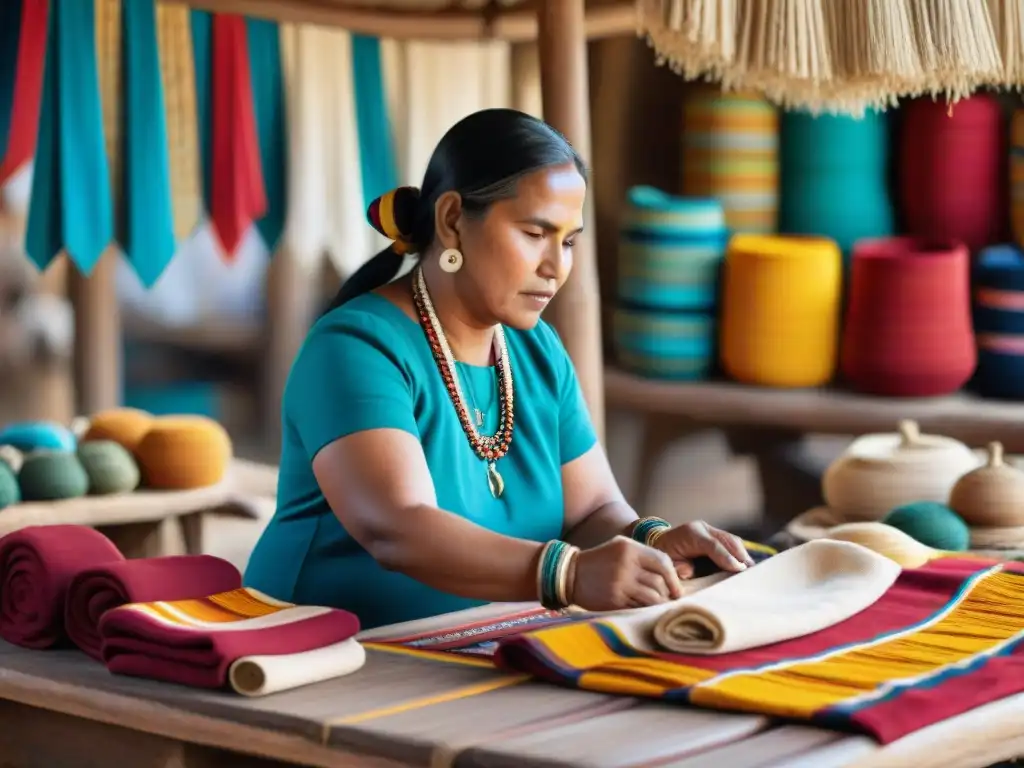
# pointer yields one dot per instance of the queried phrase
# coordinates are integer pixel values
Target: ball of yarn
(10, 493)
(125, 426)
(111, 469)
(183, 452)
(38, 436)
(12, 457)
(932, 524)
(52, 475)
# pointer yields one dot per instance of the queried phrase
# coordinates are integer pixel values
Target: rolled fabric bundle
(29, 436)
(95, 591)
(795, 593)
(731, 152)
(952, 170)
(670, 251)
(37, 565)
(833, 179)
(780, 310)
(262, 675)
(908, 330)
(196, 642)
(664, 345)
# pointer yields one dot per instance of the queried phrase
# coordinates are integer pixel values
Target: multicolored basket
(664, 345)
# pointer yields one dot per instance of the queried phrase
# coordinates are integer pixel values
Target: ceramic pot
(908, 329)
(992, 495)
(878, 473)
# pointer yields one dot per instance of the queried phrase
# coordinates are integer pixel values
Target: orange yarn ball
(184, 452)
(124, 426)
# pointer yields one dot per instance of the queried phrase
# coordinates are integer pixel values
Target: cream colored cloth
(262, 675)
(325, 186)
(795, 593)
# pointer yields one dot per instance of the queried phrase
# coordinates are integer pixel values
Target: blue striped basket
(998, 301)
(664, 345)
(670, 251)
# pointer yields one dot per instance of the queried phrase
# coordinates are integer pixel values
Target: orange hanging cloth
(238, 195)
(28, 88)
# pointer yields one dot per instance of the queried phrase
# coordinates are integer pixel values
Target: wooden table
(59, 709)
(769, 425)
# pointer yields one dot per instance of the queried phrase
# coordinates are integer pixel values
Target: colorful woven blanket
(943, 639)
(244, 638)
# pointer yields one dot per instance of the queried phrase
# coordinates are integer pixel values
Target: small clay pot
(991, 496)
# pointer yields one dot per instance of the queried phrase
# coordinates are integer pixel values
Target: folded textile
(944, 639)
(795, 593)
(95, 591)
(196, 642)
(37, 565)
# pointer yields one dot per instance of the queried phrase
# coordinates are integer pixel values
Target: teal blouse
(367, 365)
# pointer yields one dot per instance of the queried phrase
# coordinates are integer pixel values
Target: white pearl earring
(451, 260)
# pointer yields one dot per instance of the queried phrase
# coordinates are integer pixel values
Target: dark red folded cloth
(37, 564)
(95, 591)
(194, 642)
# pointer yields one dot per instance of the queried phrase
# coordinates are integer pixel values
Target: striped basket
(664, 345)
(731, 152)
(998, 285)
(670, 251)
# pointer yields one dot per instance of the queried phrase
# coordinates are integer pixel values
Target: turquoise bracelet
(646, 527)
(553, 572)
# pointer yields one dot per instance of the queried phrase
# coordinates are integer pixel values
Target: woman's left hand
(684, 542)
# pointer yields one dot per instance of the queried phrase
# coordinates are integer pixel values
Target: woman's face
(520, 253)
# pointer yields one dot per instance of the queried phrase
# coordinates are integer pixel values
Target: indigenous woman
(437, 451)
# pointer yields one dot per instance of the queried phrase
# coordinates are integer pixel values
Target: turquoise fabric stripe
(270, 108)
(70, 205)
(202, 42)
(10, 28)
(646, 293)
(148, 238)
(376, 148)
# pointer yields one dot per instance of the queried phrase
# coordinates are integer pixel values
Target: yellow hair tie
(381, 214)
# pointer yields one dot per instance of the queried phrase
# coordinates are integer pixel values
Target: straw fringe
(840, 55)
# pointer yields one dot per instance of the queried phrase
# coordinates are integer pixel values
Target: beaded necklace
(488, 448)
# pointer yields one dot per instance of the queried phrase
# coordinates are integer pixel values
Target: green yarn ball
(110, 467)
(52, 475)
(933, 524)
(10, 493)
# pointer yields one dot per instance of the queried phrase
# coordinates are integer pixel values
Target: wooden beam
(97, 336)
(565, 89)
(516, 25)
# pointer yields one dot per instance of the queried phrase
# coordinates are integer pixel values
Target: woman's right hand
(623, 573)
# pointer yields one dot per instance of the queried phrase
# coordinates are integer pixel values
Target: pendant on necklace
(479, 417)
(494, 480)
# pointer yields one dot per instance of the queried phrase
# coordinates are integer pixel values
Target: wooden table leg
(192, 532)
(139, 539)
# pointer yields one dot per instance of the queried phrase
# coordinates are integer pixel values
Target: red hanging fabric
(28, 87)
(239, 197)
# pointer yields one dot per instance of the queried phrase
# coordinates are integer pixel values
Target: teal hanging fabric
(147, 235)
(202, 46)
(70, 205)
(10, 31)
(376, 148)
(270, 108)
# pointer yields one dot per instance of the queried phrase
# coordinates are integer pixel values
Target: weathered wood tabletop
(60, 709)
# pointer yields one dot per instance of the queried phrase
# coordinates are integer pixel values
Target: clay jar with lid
(878, 473)
(908, 330)
(991, 496)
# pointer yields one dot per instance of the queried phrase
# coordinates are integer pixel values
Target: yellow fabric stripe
(449, 658)
(108, 61)
(386, 211)
(243, 604)
(428, 701)
(990, 613)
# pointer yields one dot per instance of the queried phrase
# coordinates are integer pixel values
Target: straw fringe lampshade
(840, 55)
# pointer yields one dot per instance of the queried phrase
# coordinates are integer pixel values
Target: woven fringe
(840, 55)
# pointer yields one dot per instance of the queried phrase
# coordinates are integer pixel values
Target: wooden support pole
(97, 336)
(576, 311)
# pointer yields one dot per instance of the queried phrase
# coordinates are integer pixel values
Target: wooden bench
(149, 523)
(60, 709)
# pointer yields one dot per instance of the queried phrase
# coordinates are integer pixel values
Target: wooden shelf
(964, 416)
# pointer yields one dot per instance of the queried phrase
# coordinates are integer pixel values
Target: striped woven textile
(731, 152)
(664, 345)
(944, 639)
(998, 309)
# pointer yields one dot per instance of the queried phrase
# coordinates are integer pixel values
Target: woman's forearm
(613, 519)
(453, 555)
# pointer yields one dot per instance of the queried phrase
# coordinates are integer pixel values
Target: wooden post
(576, 311)
(97, 336)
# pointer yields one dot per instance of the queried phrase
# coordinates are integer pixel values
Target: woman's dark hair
(482, 157)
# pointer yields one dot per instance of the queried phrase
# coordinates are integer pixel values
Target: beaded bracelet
(647, 530)
(553, 574)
